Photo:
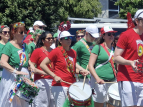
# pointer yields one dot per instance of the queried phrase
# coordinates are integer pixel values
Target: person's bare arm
(83, 71)
(34, 69)
(44, 67)
(120, 60)
(4, 64)
(91, 63)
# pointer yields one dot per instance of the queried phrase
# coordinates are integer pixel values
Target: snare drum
(113, 94)
(78, 95)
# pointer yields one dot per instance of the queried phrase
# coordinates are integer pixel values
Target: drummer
(104, 71)
(44, 97)
(14, 61)
(64, 60)
(84, 46)
(128, 51)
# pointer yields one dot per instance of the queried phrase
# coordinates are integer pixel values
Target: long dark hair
(100, 40)
(42, 37)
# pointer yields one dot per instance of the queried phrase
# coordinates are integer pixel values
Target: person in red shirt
(43, 81)
(64, 60)
(128, 54)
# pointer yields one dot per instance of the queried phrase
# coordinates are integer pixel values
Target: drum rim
(77, 99)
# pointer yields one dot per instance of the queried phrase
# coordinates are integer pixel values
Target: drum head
(78, 92)
(113, 91)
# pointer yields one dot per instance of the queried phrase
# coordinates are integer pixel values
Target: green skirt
(67, 104)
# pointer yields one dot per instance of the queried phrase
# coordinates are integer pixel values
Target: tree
(129, 6)
(51, 12)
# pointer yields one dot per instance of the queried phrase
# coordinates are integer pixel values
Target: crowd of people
(50, 62)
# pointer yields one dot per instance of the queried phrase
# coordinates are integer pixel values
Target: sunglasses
(5, 32)
(109, 34)
(22, 32)
(66, 38)
(41, 27)
(81, 36)
(49, 38)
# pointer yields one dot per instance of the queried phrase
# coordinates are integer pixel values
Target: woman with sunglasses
(4, 37)
(43, 81)
(100, 67)
(64, 60)
(14, 61)
(79, 34)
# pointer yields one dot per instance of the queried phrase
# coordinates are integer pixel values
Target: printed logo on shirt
(20, 56)
(139, 47)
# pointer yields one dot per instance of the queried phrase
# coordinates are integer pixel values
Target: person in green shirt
(101, 66)
(84, 46)
(14, 61)
(36, 36)
(4, 37)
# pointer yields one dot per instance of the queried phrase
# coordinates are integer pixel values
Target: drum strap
(111, 59)
(86, 45)
(22, 58)
(45, 52)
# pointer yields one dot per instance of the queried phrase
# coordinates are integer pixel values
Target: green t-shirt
(105, 72)
(1, 47)
(14, 55)
(31, 47)
(82, 54)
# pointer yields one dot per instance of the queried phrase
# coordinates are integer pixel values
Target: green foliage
(51, 12)
(129, 6)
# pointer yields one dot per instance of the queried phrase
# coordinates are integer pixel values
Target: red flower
(2, 26)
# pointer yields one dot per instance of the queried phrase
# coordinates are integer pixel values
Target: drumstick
(69, 83)
(106, 82)
(84, 77)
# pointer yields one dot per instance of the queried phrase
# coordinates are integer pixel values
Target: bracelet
(14, 71)
(79, 71)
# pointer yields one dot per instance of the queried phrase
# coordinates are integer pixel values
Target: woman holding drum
(64, 60)
(104, 71)
(14, 61)
(4, 37)
(43, 81)
(129, 56)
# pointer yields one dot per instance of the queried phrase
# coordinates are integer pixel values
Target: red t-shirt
(132, 43)
(60, 66)
(37, 57)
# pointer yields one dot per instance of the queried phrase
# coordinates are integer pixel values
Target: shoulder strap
(111, 61)
(99, 49)
(43, 50)
(86, 45)
(111, 53)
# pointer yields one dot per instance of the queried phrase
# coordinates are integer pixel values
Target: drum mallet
(84, 78)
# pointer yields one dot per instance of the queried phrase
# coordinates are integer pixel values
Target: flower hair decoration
(18, 24)
(80, 31)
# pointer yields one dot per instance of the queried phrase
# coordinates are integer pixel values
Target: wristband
(79, 71)
(14, 71)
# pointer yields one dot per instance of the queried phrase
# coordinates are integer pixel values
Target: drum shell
(116, 103)
(113, 95)
(76, 102)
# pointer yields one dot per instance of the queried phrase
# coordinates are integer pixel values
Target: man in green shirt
(84, 47)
